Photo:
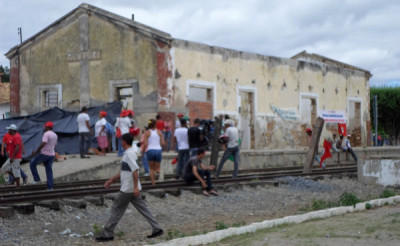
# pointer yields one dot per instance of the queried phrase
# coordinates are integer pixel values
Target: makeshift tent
(65, 126)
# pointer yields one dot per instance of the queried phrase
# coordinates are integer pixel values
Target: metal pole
(376, 119)
(20, 34)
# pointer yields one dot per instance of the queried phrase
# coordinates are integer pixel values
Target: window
(200, 94)
(49, 96)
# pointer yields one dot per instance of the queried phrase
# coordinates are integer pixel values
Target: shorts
(154, 155)
(14, 167)
(102, 141)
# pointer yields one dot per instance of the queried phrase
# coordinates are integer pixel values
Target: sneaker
(36, 182)
(146, 174)
(104, 239)
(156, 234)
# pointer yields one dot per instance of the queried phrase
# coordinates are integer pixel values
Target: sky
(362, 33)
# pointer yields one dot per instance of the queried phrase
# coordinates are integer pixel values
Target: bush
(368, 206)
(387, 193)
(348, 199)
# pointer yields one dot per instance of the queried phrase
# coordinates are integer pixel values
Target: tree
(388, 111)
(6, 74)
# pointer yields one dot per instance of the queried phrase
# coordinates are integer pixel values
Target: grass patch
(96, 229)
(220, 225)
(174, 234)
(239, 224)
(348, 199)
(368, 206)
(388, 193)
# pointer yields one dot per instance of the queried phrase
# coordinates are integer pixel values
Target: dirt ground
(380, 226)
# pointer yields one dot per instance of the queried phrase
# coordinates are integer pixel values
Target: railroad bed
(11, 195)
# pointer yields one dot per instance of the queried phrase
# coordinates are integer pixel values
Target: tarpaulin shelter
(65, 126)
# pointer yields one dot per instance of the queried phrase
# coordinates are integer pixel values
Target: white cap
(12, 127)
(229, 122)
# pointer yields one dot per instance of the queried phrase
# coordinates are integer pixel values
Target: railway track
(33, 193)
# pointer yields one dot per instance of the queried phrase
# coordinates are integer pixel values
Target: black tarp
(65, 125)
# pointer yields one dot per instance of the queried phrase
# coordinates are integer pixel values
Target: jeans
(228, 152)
(167, 138)
(145, 163)
(193, 152)
(48, 163)
(11, 177)
(183, 157)
(190, 178)
(120, 149)
(84, 143)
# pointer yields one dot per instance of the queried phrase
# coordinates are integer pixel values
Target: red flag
(327, 153)
(342, 129)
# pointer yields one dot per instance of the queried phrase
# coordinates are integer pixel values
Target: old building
(4, 100)
(91, 57)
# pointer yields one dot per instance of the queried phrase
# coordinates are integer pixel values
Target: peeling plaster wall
(278, 82)
(382, 171)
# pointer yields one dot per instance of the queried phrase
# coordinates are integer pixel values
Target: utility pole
(376, 119)
(20, 34)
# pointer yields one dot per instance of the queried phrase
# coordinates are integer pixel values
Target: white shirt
(81, 119)
(154, 140)
(97, 127)
(233, 136)
(182, 138)
(128, 166)
(124, 123)
(177, 123)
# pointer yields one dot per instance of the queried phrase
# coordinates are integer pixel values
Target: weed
(370, 229)
(120, 234)
(205, 232)
(220, 225)
(387, 193)
(239, 224)
(2, 179)
(96, 229)
(368, 206)
(348, 199)
(321, 204)
(174, 234)
(386, 203)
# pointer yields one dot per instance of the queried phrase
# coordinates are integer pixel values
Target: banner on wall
(333, 116)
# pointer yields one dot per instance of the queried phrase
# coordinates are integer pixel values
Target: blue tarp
(65, 126)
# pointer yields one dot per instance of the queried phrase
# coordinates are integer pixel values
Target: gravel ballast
(188, 214)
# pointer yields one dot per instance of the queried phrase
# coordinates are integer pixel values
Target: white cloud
(363, 33)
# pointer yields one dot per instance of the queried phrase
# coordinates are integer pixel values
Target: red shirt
(16, 140)
(160, 125)
(6, 140)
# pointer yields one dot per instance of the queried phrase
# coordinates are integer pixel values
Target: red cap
(180, 115)
(130, 112)
(308, 130)
(48, 124)
(123, 113)
(103, 113)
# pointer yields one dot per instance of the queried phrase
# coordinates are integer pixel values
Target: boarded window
(50, 98)
(200, 94)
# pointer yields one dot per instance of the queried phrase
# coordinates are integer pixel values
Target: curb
(216, 236)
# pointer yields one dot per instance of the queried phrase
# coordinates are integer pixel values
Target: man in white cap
(15, 154)
(232, 135)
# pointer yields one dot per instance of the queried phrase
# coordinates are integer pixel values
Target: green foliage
(220, 225)
(388, 193)
(239, 224)
(6, 74)
(2, 179)
(388, 111)
(96, 229)
(368, 206)
(348, 199)
(321, 204)
(174, 234)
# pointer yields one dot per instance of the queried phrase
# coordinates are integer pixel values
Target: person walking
(153, 140)
(5, 153)
(196, 170)
(100, 132)
(85, 132)
(182, 140)
(129, 193)
(46, 155)
(232, 138)
(195, 137)
(15, 147)
(123, 123)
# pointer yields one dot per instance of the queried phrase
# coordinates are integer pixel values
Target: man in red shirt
(14, 147)
(6, 142)
(159, 123)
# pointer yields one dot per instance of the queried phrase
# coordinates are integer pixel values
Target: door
(246, 120)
